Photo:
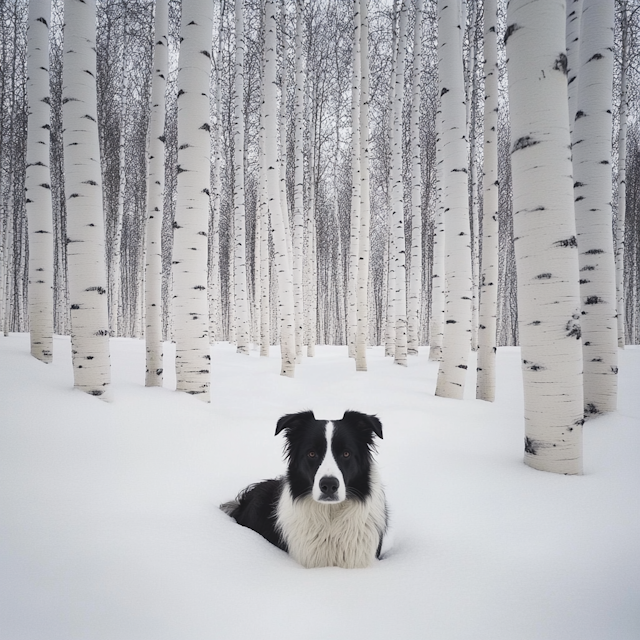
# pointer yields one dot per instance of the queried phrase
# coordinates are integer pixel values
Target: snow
(110, 527)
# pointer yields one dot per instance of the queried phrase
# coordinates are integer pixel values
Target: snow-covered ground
(109, 526)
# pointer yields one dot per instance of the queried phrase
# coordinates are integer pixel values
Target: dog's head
(329, 459)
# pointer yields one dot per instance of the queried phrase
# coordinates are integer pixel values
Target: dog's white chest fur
(346, 534)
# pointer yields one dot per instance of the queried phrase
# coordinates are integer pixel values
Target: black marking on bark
(41, 231)
(93, 183)
(88, 117)
(587, 344)
(543, 276)
(206, 127)
(580, 114)
(511, 29)
(450, 322)
(595, 56)
(444, 90)
(74, 195)
(162, 138)
(591, 409)
(205, 190)
(561, 63)
(604, 162)
(181, 92)
(199, 287)
(461, 233)
(529, 446)
(535, 323)
(75, 306)
(202, 233)
(102, 332)
(569, 242)
(158, 372)
(100, 290)
(461, 366)
(593, 300)
(492, 29)
(578, 184)
(44, 22)
(96, 392)
(614, 370)
(584, 281)
(596, 359)
(206, 53)
(183, 146)
(203, 371)
(523, 143)
(588, 268)
(89, 357)
(579, 198)
(179, 169)
(482, 326)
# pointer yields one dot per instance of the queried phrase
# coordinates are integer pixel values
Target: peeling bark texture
(85, 224)
(415, 276)
(38, 183)
(486, 378)
(239, 257)
(191, 312)
(362, 301)
(456, 343)
(592, 194)
(548, 308)
(153, 267)
(286, 314)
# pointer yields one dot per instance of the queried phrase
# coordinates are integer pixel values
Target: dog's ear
(364, 421)
(293, 420)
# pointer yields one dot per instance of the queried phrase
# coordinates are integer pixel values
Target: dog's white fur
(344, 534)
(329, 467)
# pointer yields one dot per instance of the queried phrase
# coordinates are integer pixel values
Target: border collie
(329, 509)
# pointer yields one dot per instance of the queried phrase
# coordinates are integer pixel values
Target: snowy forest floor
(110, 527)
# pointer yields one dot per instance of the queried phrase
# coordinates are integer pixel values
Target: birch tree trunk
(240, 270)
(543, 222)
(85, 225)
(622, 176)
(298, 197)
(362, 327)
(592, 193)
(457, 328)
(191, 224)
(38, 183)
(397, 197)
(282, 260)
(486, 379)
(415, 278)
(155, 196)
(436, 328)
(356, 186)
(574, 11)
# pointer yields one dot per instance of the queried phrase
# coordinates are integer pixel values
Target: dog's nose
(329, 485)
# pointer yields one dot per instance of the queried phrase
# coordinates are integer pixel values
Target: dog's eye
(346, 454)
(312, 454)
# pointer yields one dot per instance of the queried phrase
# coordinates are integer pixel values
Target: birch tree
(398, 255)
(457, 262)
(192, 207)
(240, 261)
(362, 326)
(415, 277)
(85, 226)
(153, 270)
(282, 260)
(38, 184)
(546, 249)
(486, 379)
(592, 192)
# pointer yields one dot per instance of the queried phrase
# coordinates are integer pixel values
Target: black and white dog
(329, 509)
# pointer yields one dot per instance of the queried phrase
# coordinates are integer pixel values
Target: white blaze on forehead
(329, 467)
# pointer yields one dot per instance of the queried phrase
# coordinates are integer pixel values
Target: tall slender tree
(85, 225)
(38, 183)
(486, 379)
(153, 270)
(592, 192)
(546, 249)
(193, 357)
(456, 342)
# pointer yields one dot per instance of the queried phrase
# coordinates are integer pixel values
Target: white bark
(240, 262)
(190, 248)
(356, 186)
(457, 328)
(85, 226)
(415, 276)
(436, 325)
(155, 195)
(282, 260)
(298, 197)
(486, 380)
(38, 183)
(592, 193)
(362, 327)
(574, 11)
(544, 225)
(397, 198)
(622, 176)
